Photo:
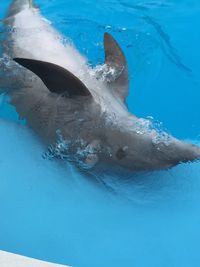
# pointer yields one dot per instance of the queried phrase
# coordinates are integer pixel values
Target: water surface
(52, 212)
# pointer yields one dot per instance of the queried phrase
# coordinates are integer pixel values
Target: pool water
(50, 211)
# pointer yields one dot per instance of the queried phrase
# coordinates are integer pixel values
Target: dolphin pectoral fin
(115, 59)
(57, 79)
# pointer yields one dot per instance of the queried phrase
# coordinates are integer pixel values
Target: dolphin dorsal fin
(115, 59)
(57, 79)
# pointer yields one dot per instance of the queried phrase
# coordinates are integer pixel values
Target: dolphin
(77, 110)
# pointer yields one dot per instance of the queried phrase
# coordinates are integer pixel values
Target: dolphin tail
(18, 5)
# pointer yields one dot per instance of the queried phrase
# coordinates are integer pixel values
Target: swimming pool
(54, 213)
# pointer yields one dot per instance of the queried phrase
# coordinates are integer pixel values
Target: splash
(78, 152)
(106, 73)
(154, 128)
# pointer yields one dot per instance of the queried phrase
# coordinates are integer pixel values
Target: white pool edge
(8, 259)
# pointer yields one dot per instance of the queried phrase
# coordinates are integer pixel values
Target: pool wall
(13, 260)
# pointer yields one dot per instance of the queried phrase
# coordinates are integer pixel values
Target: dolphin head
(135, 146)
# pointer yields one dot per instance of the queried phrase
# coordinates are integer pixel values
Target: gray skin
(91, 134)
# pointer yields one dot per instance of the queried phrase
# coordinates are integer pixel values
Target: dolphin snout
(188, 152)
(195, 152)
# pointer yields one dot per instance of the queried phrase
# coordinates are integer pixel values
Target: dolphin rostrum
(80, 110)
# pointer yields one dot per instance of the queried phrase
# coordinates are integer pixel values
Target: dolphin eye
(121, 152)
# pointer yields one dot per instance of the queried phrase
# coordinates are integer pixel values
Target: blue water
(52, 212)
